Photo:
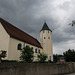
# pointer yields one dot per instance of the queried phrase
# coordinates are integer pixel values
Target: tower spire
(45, 26)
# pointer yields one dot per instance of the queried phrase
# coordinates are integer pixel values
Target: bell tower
(46, 41)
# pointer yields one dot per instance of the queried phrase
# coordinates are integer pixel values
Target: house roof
(45, 27)
(19, 34)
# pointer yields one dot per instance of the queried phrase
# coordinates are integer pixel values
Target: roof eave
(45, 29)
(25, 41)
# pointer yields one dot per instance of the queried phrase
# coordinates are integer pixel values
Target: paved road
(71, 74)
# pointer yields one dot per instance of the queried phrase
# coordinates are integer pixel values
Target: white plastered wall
(14, 54)
(4, 40)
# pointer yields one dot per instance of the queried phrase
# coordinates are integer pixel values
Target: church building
(12, 40)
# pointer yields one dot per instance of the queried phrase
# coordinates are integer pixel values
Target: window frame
(44, 37)
(36, 50)
(39, 51)
(19, 46)
(48, 37)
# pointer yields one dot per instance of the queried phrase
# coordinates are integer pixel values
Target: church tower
(46, 41)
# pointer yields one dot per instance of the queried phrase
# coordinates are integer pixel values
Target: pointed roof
(19, 34)
(45, 27)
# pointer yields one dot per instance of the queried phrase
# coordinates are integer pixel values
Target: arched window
(44, 37)
(19, 47)
(36, 50)
(39, 51)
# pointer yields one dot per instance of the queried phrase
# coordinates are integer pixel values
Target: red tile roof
(19, 34)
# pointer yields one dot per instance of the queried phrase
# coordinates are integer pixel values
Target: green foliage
(42, 58)
(56, 57)
(2, 54)
(69, 55)
(73, 23)
(27, 54)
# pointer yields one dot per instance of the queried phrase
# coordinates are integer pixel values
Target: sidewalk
(71, 74)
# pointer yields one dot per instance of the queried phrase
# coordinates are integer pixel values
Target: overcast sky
(29, 16)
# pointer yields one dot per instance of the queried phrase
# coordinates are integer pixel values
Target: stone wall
(36, 68)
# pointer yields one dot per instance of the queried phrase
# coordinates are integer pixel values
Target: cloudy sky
(29, 16)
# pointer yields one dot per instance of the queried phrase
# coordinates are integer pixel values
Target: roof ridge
(16, 27)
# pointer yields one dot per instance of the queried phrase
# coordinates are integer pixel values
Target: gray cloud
(65, 5)
(29, 15)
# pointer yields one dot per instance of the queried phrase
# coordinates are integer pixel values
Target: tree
(42, 57)
(56, 57)
(27, 54)
(69, 55)
(73, 23)
(2, 54)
